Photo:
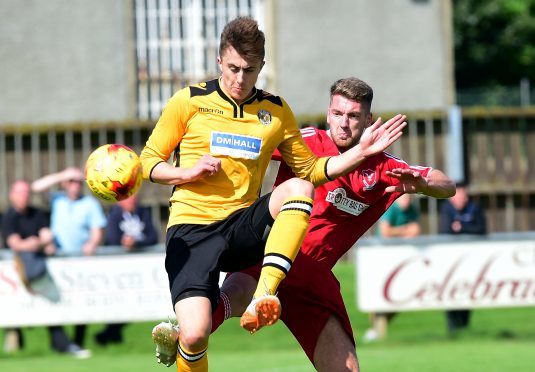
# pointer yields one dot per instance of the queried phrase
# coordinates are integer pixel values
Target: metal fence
(500, 96)
(29, 152)
(499, 158)
(498, 161)
(177, 45)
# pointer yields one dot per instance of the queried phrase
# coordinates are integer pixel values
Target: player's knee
(299, 187)
(193, 339)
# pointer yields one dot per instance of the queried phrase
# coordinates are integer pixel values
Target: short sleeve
(97, 216)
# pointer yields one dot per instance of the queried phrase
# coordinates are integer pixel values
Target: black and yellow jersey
(202, 119)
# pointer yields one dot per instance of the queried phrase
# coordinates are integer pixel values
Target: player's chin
(344, 143)
(239, 95)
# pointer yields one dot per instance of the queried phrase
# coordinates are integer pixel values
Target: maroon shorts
(309, 295)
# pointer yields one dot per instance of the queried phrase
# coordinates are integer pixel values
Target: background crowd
(75, 224)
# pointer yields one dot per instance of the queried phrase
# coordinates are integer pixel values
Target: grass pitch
(498, 340)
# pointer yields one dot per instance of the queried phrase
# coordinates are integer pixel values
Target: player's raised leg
(334, 350)
(291, 205)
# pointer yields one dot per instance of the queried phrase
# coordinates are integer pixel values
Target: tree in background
(494, 42)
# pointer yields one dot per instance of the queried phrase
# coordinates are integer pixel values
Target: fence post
(525, 99)
(455, 148)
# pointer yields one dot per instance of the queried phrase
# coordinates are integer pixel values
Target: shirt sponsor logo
(235, 145)
(369, 179)
(339, 199)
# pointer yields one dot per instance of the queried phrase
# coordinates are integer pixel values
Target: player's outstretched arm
(375, 139)
(167, 174)
(436, 184)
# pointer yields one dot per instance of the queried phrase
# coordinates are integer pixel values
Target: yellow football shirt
(202, 119)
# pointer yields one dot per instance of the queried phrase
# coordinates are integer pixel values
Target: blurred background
(78, 74)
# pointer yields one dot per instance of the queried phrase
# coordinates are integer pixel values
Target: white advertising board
(446, 275)
(130, 287)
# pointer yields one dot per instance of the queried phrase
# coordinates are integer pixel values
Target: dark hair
(353, 89)
(243, 35)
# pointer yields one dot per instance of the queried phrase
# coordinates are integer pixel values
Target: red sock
(221, 313)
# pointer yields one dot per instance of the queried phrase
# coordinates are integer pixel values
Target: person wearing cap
(77, 221)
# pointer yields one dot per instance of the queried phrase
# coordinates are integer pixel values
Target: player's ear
(220, 64)
(369, 120)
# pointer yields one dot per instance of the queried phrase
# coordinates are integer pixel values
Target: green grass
(498, 340)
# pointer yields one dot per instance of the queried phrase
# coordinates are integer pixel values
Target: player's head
(349, 111)
(241, 57)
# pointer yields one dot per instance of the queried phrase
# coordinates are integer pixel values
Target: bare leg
(334, 351)
(194, 314)
(239, 288)
(291, 187)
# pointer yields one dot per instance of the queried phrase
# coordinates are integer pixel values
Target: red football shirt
(344, 209)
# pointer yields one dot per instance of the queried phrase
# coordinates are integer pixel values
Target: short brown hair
(353, 89)
(243, 35)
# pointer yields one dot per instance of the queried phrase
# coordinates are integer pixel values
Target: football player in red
(344, 209)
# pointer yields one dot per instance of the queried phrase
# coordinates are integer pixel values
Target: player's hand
(205, 167)
(378, 136)
(410, 181)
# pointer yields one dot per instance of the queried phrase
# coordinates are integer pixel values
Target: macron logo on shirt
(235, 145)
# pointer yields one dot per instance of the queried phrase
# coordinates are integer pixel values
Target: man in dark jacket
(129, 226)
(26, 232)
(461, 215)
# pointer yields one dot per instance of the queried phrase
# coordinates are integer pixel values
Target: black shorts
(196, 254)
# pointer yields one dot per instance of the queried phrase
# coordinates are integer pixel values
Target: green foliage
(499, 340)
(494, 42)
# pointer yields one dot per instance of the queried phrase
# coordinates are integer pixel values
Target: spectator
(401, 220)
(129, 226)
(26, 232)
(77, 220)
(460, 215)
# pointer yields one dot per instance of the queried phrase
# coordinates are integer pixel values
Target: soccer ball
(113, 172)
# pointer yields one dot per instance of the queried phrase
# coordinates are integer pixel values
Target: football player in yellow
(222, 134)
